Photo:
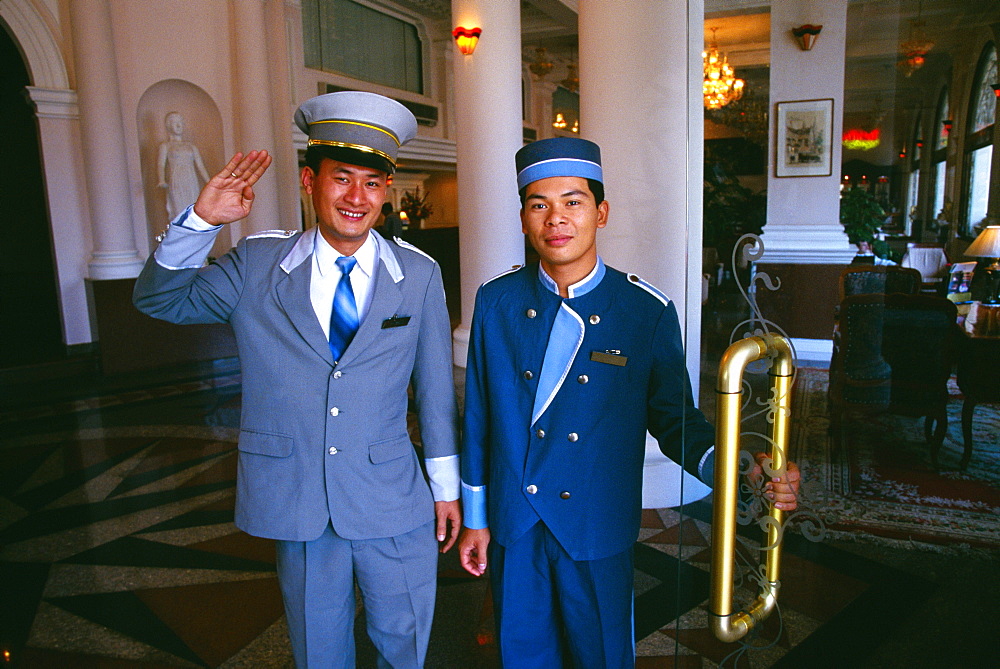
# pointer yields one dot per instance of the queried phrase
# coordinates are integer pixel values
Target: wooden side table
(978, 366)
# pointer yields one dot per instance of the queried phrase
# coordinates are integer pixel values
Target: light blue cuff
(706, 468)
(192, 221)
(187, 242)
(444, 477)
(474, 506)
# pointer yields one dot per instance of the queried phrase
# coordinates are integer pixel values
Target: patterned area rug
(877, 479)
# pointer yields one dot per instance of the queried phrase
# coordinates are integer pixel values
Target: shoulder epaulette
(649, 288)
(271, 233)
(513, 269)
(407, 245)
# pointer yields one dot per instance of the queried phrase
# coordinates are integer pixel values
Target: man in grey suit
(332, 324)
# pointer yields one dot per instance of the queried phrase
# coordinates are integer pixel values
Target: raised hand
(228, 196)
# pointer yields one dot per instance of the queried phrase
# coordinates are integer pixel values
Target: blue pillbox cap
(558, 157)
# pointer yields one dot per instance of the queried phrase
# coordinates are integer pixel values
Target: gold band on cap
(356, 147)
(363, 125)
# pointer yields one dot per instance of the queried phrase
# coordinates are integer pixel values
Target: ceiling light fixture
(915, 49)
(721, 85)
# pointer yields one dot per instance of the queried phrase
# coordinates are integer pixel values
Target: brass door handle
(727, 625)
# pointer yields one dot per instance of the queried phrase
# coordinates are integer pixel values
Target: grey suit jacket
(319, 444)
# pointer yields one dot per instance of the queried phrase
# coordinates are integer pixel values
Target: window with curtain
(940, 151)
(979, 145)
(350, 38)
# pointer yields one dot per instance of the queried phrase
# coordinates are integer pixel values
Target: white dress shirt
(326, 275)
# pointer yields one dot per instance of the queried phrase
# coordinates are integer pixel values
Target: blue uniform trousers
(553, 611)
(398, 581)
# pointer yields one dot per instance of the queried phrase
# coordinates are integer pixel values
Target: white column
(104, 153)
(541, 96)
(285, 167)
(643, 106)
(803, 221)
(488, 133)
(253, 113)
(58, 114)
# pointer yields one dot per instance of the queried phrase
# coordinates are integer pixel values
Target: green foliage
(415, 205)
(731, 210)
(861, 215)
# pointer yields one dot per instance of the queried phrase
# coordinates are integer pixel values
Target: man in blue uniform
(570, 363)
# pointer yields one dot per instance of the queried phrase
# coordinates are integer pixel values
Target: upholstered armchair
(932, 263)
(885, 279)
(894, 354)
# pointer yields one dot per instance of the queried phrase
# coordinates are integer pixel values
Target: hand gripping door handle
(727, 625)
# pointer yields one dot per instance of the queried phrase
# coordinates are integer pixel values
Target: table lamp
(987, 245)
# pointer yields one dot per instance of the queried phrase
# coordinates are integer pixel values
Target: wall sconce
(948, 124)
(996, 89)
(920, 143)
(466, 39)
(806, 35)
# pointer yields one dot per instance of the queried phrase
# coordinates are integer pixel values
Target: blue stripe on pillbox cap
(558, 157)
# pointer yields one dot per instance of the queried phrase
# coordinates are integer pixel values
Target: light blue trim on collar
(581, 287)
(303, 249)
(387, 256)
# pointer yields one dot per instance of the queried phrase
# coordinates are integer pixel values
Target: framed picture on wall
(804, 138)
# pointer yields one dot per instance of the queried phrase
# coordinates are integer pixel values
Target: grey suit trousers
(397, 577)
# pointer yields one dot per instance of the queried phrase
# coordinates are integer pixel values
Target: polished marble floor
(117, 549)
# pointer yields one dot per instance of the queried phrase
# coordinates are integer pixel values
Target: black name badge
(609, 357)
(395, 322)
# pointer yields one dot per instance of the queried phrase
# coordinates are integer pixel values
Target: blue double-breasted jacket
(578, 468)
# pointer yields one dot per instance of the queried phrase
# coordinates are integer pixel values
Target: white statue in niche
(179, 167)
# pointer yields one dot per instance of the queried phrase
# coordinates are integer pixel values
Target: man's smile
(353, 215)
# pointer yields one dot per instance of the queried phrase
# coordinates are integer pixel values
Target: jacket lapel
(293, 295)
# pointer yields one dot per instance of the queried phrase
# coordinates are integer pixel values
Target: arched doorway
(30, 329)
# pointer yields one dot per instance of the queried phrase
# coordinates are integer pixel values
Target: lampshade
(987, 244)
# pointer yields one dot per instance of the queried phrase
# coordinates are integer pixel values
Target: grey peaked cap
(356, 120)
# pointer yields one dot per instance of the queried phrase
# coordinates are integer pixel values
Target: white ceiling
(875, 29)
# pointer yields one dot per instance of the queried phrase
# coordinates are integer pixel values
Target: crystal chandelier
(721, 85)
(914, 50)
(542, 65)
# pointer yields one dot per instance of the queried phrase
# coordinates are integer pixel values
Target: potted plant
(416, 207)
(731, 210)
(862, 217)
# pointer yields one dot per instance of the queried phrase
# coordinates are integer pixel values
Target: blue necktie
(344, 317)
